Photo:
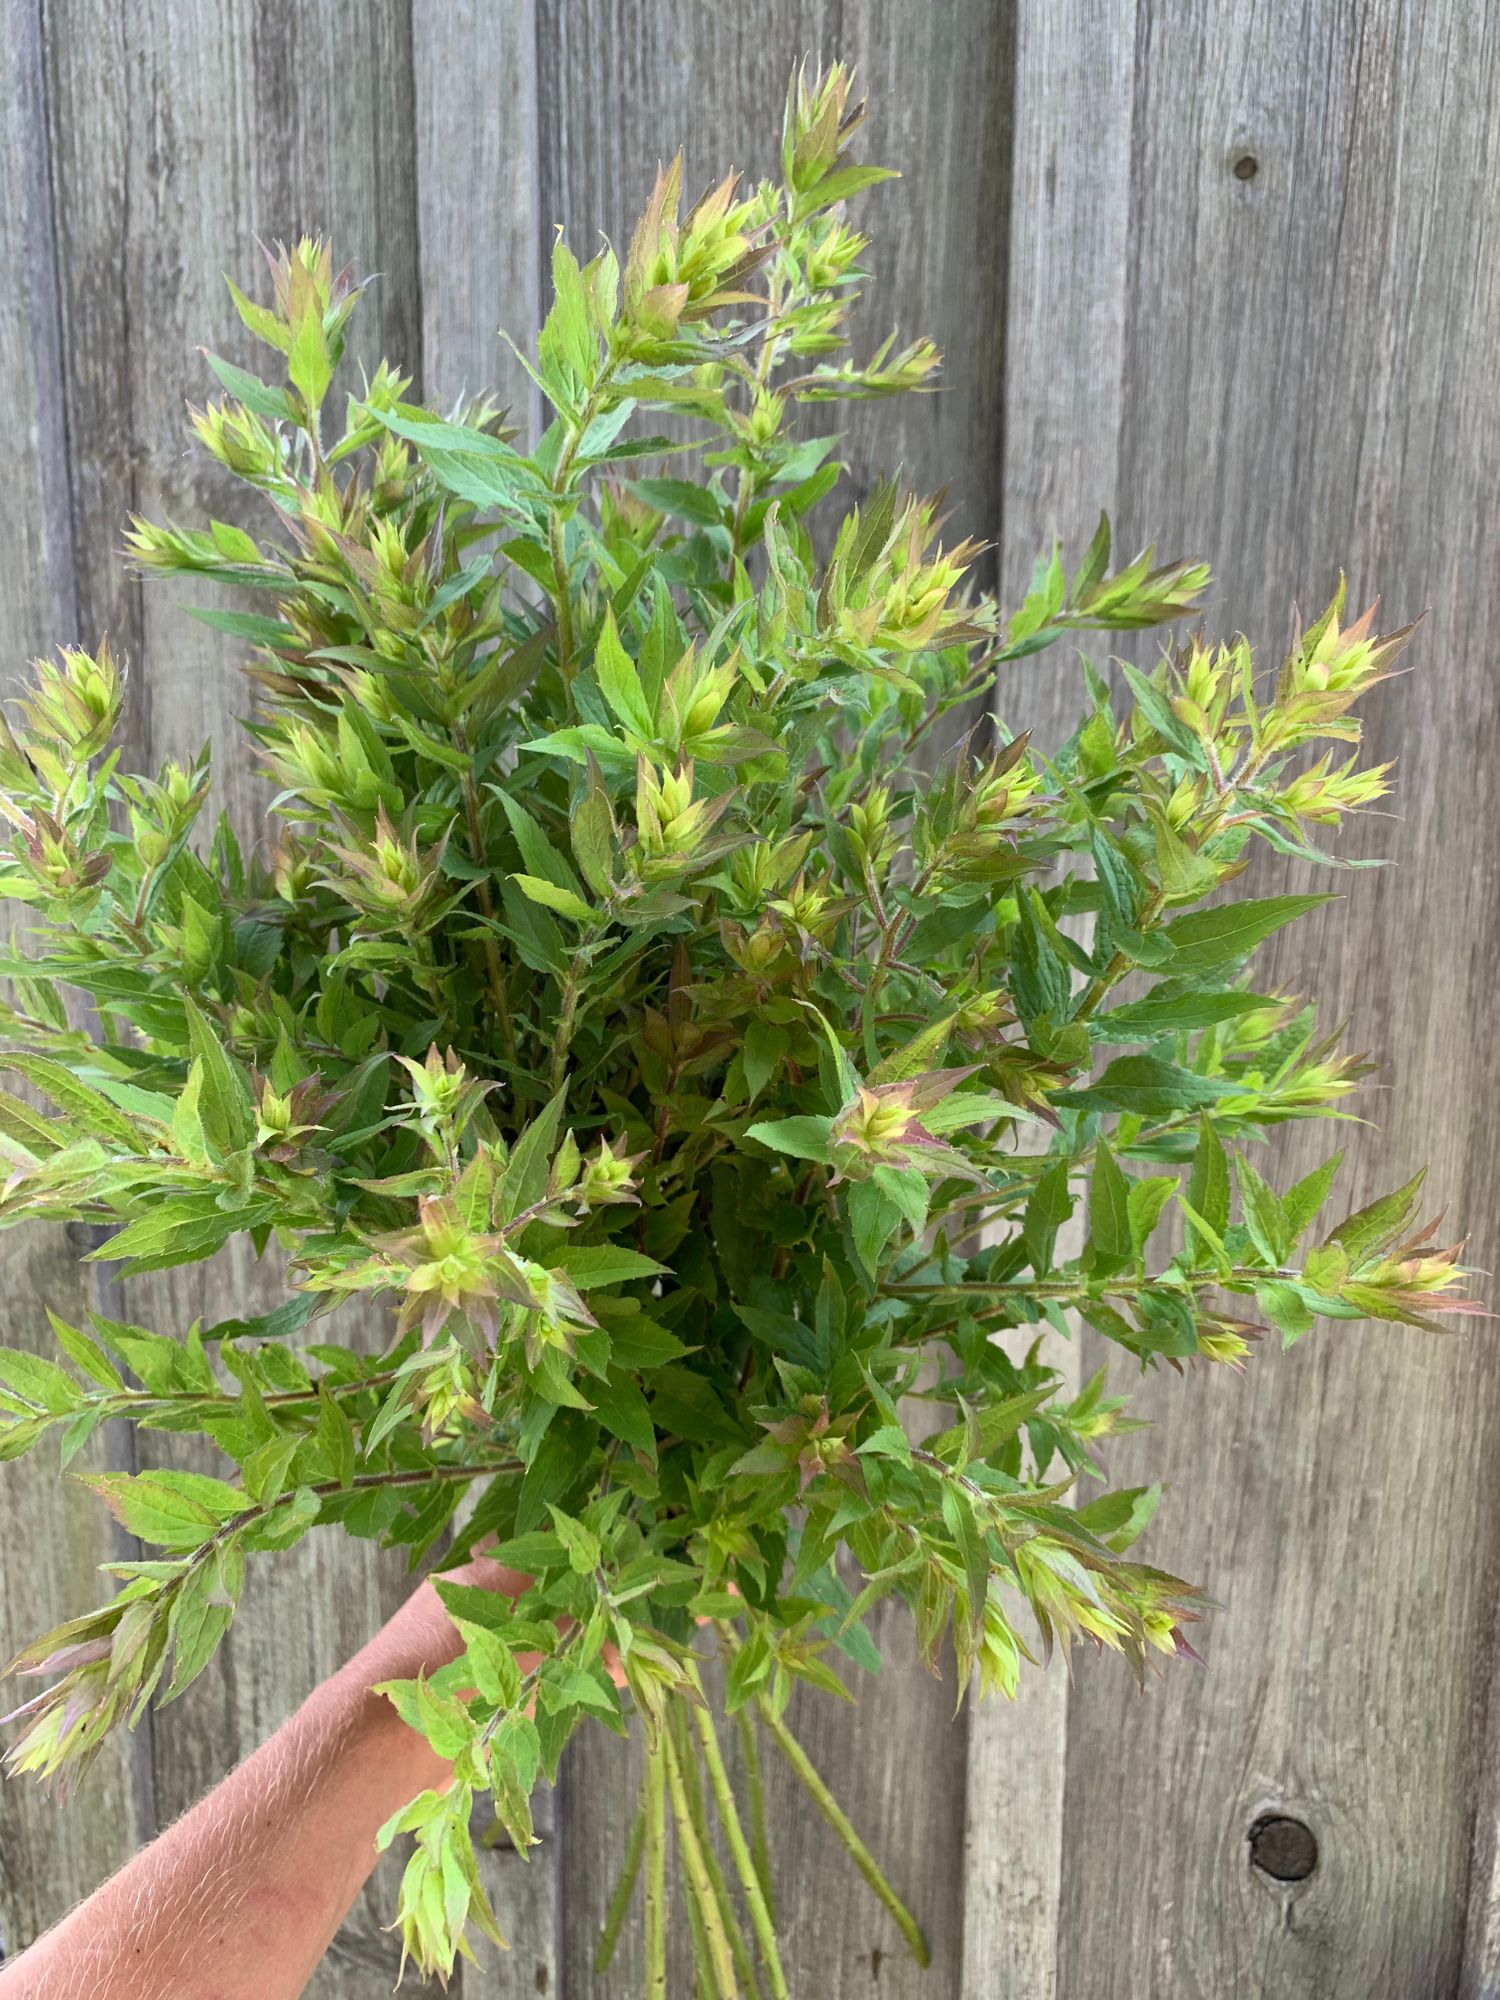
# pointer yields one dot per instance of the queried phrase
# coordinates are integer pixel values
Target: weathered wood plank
(480, 251)
(54, 1534)
(477, 166)
(1064, 388)
(1308, 373)
(181, 133)
(621, 82)
(939, 84)
(54, 1537)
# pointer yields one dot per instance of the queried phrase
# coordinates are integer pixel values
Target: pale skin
(241, 1897)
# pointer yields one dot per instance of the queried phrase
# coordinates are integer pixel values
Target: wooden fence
(1230, 268)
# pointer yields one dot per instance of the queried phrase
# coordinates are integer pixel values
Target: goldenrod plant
(637, 989)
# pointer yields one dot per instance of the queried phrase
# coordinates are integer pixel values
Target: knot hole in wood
(1282, 1847)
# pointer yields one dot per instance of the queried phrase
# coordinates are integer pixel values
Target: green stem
(695, 1868)
(692, 1777)
(836, 1817)
(750, 1880)
(619, 1903)
(564, 1035)
(760, 1845)
(703, 1971)
(1072, 1289)
(556, 533)
(557, 546)
(494, 971)
(1119, 965)
(656, 1868)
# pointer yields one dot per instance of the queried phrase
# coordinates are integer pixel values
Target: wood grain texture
(1064, 386)
(477, 198)
(618, 83)
(180, 134)
(480, 260)
(1287, 372)
(1304, 382)
(56, 1534)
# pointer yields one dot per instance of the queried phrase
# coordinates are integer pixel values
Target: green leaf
(594, 835)
(1206, 940)
(1302, 1201)
(639, 1343)
(873, 1219)
(1147, 1199)
(191, 1227)
(685, 1403)
(40, 1382)
(1374, 1228)
(1122, 1517)
(335, 1436)
(226, 1106)
(174, 1510)
(764, 1045)
(1047, 1209)
(309, 365)
(589, 1264)
(1208, 1189)
(1040, 979)
(91, 1112)
(252, 392)
(200, 1616)
(1158, 711)
(619, 682)
(682, 497)
(1173, 1014)
(551, 897)
(973, 1549)
(490, 1664)
(187, 1120)
(804, 1138)
(1146, 1085)
(567, 341)
(582, 1546)
(1110, 1240)
(85, 1352)
(524, 1181)
(1263, 1214)
(1285, 1308)
(622, 1409)
(268, 632)
(1118, 880)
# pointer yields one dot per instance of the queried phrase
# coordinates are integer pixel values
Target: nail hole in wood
(1246, 167)
(1283, 1848)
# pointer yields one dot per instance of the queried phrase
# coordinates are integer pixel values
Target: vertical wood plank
(181, 132)
(621, 84)
(53, 1535)
(477, 198)
(1306, 323)
(480, 247)
(1064, 389)
(52, 1540)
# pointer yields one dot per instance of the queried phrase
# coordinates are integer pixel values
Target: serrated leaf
(1263, 1213)
(1110, 1241)
(621, 1407)
(804, 1138)
(565, 901)
(1205, 940)
(1208, 1189)
(619, 682)
(226, 1106)
(1146, 1085)
(589, 1264)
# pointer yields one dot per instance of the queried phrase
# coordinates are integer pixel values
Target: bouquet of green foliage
(703, 1058)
